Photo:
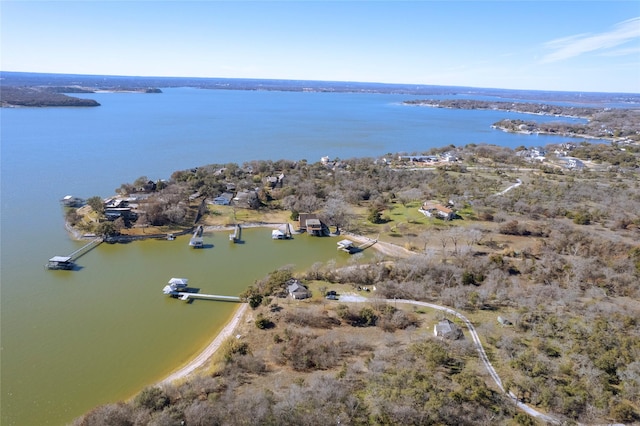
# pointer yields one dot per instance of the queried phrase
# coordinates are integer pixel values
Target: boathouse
(61, 262)
(311, 224)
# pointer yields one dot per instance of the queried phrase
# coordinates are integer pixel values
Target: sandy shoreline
(208, 352)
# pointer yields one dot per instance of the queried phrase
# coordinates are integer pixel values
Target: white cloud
(623, 52)
(572, 46)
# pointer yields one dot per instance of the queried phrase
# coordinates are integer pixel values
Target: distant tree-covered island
(56, 96)
(41, 97)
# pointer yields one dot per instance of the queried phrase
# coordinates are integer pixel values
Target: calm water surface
(73, 340)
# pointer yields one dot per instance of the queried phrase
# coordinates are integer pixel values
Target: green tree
(106, 229)
(152, 398)
(375, 215)
(96, 204)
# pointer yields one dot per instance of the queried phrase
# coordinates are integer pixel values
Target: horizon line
(414, 85)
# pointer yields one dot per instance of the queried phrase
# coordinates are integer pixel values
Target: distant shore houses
(532, 154)
(446, 157)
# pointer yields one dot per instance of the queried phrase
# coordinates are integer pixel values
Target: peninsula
(613, 124)
(504, 291)
(41, 97)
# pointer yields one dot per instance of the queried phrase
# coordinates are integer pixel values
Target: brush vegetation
(557, 257)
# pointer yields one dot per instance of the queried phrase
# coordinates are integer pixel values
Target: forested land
(618, 124)
(556, 255)
(41, 97)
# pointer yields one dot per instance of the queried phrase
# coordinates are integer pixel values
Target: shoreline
(205, 355)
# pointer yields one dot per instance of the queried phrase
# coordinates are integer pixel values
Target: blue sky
(542, 45)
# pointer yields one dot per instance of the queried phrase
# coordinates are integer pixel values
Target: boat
(277, 234)
(346, 246)
(175, 285)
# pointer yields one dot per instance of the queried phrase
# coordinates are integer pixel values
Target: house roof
(439, 207)
(446, 328)
(296, 287)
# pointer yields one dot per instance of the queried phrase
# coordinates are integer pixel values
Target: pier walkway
(68, 262)
(85, 249)
(187, 296)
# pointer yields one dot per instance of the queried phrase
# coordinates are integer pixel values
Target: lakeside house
(223, 199)
(297, 290)
(447, 330)
(247, 199)
(273, 181)
(431, 209)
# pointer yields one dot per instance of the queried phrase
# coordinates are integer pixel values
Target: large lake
(73, 340)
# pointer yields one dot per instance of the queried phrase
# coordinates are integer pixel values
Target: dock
(349, 247)
(68, 262)
(197, 241)
(178, 288)
(282, 233)
(187, 296)
(367, 244)
(236, 236)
